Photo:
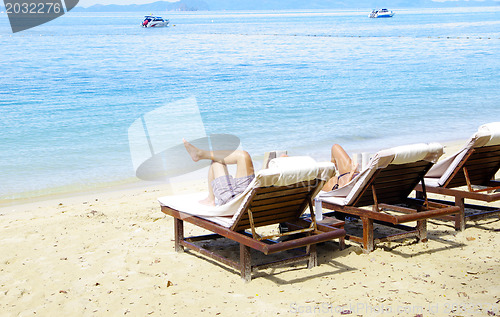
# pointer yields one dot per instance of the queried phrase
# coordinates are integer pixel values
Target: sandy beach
(112, 254)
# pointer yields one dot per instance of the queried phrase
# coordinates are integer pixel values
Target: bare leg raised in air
(220, 159)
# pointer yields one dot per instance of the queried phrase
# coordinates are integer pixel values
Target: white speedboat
(382, 13)
(154, 22)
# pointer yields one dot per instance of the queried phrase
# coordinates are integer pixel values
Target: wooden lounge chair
(470, 173)
(279, 194)
(384, 186)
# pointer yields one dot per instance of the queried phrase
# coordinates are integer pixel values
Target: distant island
(235, 5)
(182, 5)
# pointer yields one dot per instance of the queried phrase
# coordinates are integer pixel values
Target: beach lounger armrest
(433, 213)
(211, 226)
(481, 196)
(361, 212)
(304, 223)
(305, 241)
(251, 242)
(394, 219)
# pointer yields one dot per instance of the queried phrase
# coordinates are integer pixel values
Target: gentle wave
(296, 81)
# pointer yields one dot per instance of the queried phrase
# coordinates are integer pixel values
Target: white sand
(112, 254)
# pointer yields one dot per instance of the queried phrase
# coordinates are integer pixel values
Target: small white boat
(151, 21)
(383, 13)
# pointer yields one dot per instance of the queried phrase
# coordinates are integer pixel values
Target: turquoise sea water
(302, 80)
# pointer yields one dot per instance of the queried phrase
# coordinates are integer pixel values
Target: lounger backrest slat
(481, 165)
(268, 219)
(276, 204)
(393, 183)
(282, 202)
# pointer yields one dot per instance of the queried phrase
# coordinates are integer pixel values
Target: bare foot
(192, 150)
(207, 201)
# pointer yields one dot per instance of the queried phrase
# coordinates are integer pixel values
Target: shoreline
(99, 195)
(134, 184)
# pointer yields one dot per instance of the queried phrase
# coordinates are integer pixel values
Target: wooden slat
(271, 213)
(280, 192)
(394, 183)
(266, 220)
(269, 217)
(391, 186)
(310, 184)
(281, 204)
(481, 166)
(274, 212)
(243, 225)
(483, 158)
(394, 171)
(276, 200)
(276, 204)
(488, 150)
(400, 179)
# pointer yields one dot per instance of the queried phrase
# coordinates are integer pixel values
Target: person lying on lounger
(222, 187)
(346, 169)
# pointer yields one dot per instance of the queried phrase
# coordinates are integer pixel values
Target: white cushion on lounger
(294, 168)
(281, 174)
(397, 155)
(487, 135)
(493, 130)
(337, 200)
(431, 181)
(413, 153)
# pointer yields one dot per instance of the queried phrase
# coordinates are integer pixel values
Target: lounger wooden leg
(419, 195)
(368, 244)
(460, 218)
(313, 256)
(245, 262)
(179, 234)
(422, 230)
(342, 243)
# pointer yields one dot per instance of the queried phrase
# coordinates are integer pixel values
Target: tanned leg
(220, 159)
(344, 165)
